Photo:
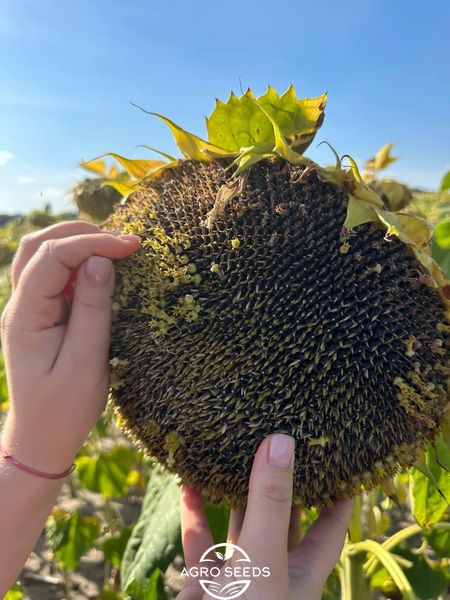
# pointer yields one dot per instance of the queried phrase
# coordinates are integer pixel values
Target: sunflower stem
(354, 584)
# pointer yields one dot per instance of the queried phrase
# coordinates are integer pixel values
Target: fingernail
(281, 450)
(98, 268)
(130, 238)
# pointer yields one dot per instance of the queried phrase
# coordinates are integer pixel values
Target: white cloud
(25, 179)
(5, 157)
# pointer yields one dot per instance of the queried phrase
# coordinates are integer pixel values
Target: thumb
(86, 343)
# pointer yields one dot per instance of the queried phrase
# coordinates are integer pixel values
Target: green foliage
(442, 257)
(114, 546)
(107, 474)
(246, 121)
(152, 590)
(427, 580)
(108, 594)
(218, 517)
(442, 234)
(156, 538)
(439, 540)
(331, 590)
(445, 183)
(4, 403)
(15, 593)
(70, 535)
(430, 486)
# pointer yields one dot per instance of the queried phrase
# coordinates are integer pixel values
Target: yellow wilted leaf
(409, 228)
(353, 167)
(96, 166)
(191, 145)
(123, 187)
(382, 158)
(136, 167)
(113, 173)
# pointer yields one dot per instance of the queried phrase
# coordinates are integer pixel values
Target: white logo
(213, 573)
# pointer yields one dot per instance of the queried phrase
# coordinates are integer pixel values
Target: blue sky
(69, 68)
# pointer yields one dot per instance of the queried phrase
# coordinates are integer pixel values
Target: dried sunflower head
(284, 298)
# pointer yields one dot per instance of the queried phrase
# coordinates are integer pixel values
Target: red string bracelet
(8, 457)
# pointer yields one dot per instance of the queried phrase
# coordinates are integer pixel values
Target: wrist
(35, 448)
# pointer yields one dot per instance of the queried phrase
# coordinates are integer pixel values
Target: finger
(269, 500)
(29, 244)
(195, 532)
(235, 525)
(86, 343)
(191, 591)
(321, 547)
(294, 534)
(49, 270)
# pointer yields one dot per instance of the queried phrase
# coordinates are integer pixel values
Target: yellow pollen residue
(173, 441)
(152, 427)
(322, 441)
(412, 402)
(410, 346)
(344, 248)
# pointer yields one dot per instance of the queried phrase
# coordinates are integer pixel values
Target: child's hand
(55, 335)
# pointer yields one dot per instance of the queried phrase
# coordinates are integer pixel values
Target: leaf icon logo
(229, 553)
(220, 556)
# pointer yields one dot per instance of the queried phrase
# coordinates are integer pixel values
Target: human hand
(269, 531)
(55, 336)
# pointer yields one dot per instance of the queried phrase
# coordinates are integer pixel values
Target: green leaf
(445, 183)
(442, 234)
(107, 473)
(426, 578)
(442, 451)
(15, 593)
(156, 538)
(359, 212)
(114, 546)
(439, 540)
(240, 122)
(152, 590)
(331, 589)
(428, 503)
(442, 257)
(70, 536)
(109, 594)
(4, 395)
(218, 517)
